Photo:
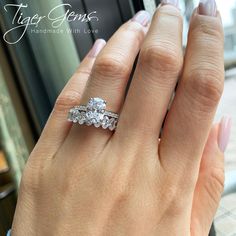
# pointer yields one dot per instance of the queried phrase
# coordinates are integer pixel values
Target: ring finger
(110, 76)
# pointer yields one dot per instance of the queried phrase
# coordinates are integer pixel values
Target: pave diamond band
(94, 113)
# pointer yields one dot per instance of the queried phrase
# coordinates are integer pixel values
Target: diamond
(96, 104)
(95, 111)
(70, 115)
(97, 125)
(112, 124)
(82, 118)
(88, 123)
(81, 122)
(105, 122)
(73, 115)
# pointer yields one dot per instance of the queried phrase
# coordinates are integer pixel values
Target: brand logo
(54, 16)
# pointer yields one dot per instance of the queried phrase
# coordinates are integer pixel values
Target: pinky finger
(210, 184)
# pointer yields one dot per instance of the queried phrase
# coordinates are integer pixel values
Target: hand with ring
(109, 161)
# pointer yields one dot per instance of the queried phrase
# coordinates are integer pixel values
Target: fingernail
(97, 47)
(171, 2)
(224, 132)
(142, 17)
(207, 7)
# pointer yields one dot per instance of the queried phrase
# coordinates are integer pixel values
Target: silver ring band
(94, 113)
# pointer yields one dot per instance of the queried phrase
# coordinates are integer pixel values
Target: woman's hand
(81, 180)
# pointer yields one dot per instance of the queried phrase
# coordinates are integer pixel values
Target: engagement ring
(94, 113)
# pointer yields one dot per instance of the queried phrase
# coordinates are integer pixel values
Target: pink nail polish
(207, 7)
(224, 133)
(142, 17)
(97, 47)
(171, 2)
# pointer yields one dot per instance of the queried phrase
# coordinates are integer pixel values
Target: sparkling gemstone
(82, 118)
(97, 125)
(105, 122)
(112, 124)
(88, 123)
(95, 110)
(81, 122)
(70, 115)
(96, 104)
(73, 115)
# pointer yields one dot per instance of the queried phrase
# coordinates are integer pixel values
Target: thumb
(210, 184)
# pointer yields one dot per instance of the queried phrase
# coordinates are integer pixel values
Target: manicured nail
(207, 7)
(170, 2)
(97, 47)
(142, 17)
(224, 133)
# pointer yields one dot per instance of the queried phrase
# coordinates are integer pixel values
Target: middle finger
(159, 66)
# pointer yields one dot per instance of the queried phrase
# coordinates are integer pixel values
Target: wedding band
(94, 113)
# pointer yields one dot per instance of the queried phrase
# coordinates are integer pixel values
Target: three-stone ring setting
(94, 113)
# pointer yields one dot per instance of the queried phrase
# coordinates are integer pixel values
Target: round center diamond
(95, 110)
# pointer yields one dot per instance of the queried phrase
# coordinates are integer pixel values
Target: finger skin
(57, 126)
(109, 79)
(159, 66)
(189, 121)
(113, 66)
(209, 186)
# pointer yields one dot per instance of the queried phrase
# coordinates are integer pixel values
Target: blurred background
(34, 70)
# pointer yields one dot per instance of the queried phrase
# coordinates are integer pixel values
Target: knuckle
(30, 181)
(163, 58)
(207, 86)
(119, 184)
(82, 72)
(26, 184)
(121, 192)
(120, 188)
(110, 66)
(66, 100)
(218, 177)
(215, 185)
(174, 201)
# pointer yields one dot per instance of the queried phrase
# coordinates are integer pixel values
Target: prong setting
(94, 113)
